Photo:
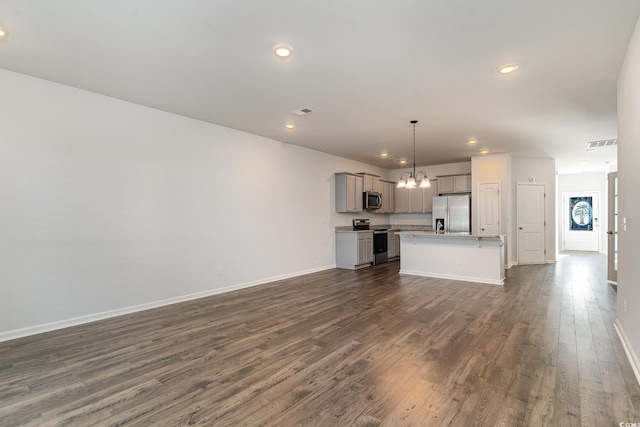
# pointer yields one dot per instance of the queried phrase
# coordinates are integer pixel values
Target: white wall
(496, 167)
(541, 171)
(629, 202)
(108, 207)
(577, 182)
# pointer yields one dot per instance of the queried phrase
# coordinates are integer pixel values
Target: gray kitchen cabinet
(372, 183)
(445, 184)
(377, 185)
(354, 249)
(454, 184)
(401, 201)
(409, 200)
(365, 248)
(462, 183)
(416, 198)
(393, 245)
(348, 192)
(388, 197)
(428, 195)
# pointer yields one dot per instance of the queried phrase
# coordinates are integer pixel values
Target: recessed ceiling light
(289, 126)
(2, 32)
(484, 152)
(590, 150)
(508, 68)
(472, 141)
(384, 154)
(282, 51)
(402, 162)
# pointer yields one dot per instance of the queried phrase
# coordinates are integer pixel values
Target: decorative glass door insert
(581, 213)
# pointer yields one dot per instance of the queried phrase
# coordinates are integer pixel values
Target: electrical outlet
(624, 305)
(458, 260)
(220, 272)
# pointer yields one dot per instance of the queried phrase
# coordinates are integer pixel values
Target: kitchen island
(456, 256)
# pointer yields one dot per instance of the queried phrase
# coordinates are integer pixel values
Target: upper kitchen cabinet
(454, 184)
(401, 203)
(428, 195)
(416, 200)
(349, 188)
(388, 197)
(372, 183)
(409, 200)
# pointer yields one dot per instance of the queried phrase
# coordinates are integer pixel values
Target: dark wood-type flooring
(340, 348)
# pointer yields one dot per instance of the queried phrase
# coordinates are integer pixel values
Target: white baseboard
(633, 359)
(510, 264)
(75, 321)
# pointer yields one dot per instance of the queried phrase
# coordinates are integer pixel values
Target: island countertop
(456, 235)
(456, 256)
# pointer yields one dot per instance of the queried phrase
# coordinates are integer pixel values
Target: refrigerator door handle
(447, 223)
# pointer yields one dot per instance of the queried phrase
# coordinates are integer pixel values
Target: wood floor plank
(340, 347)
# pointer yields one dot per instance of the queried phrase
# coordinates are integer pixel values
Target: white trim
(510, 264)
(66, 323)
(453, 277)
(633, 359)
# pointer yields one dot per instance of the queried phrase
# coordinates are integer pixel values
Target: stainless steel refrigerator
(452, 214)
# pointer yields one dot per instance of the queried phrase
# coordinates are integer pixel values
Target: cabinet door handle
(520, 228)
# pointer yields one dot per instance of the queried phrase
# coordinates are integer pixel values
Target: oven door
(380, 246)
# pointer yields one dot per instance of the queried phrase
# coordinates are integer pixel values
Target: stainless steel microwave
(371, 200)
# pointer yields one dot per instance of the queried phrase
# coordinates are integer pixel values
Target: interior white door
(531, 223)
(580, 221)
(612, 229)
(489, 208)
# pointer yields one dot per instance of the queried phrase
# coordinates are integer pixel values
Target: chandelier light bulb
(425, 183)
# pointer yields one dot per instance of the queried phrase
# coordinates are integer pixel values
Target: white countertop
(456, 235)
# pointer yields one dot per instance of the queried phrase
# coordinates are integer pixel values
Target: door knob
(609, 232)
(520, 228)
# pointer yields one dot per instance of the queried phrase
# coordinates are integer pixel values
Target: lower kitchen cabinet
(354, 249)
(393, 246)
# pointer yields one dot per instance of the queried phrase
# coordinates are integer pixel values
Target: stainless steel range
(380, 240)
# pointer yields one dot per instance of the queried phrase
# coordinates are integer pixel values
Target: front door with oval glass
(581, 213)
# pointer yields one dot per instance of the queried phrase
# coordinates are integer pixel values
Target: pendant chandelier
(411, 180)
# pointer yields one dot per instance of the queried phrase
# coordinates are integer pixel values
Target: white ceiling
(367, 67)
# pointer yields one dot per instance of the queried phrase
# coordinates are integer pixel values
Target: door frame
(612, 228)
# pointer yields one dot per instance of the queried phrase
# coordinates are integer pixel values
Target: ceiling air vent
(603, 143)
(302, 111)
